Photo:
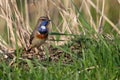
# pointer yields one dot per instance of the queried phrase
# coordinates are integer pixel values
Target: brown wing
(31, 38)
(34, 31)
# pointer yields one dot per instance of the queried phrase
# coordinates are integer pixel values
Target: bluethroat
(40, 33)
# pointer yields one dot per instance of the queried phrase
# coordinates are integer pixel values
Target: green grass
(92, 55)
(100, 61)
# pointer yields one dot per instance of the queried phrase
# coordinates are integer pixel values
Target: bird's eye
(43, 19)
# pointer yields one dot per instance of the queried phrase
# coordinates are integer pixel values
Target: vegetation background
(86, 30)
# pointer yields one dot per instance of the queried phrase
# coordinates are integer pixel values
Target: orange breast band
(42, 36)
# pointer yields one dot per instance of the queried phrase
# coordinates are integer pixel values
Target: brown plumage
(40, 33)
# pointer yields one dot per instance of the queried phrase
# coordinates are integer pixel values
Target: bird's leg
(36, 51)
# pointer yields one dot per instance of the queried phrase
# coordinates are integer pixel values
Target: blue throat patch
(42, 28)
(44, 23)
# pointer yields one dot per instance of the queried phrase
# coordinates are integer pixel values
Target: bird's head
(43, 22)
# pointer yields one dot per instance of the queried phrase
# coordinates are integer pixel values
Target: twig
(88, 69)
(101, 18)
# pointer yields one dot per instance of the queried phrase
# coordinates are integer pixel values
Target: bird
(40, 33)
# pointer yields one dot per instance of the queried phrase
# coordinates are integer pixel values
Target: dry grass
(17, 30)
(64, 16)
